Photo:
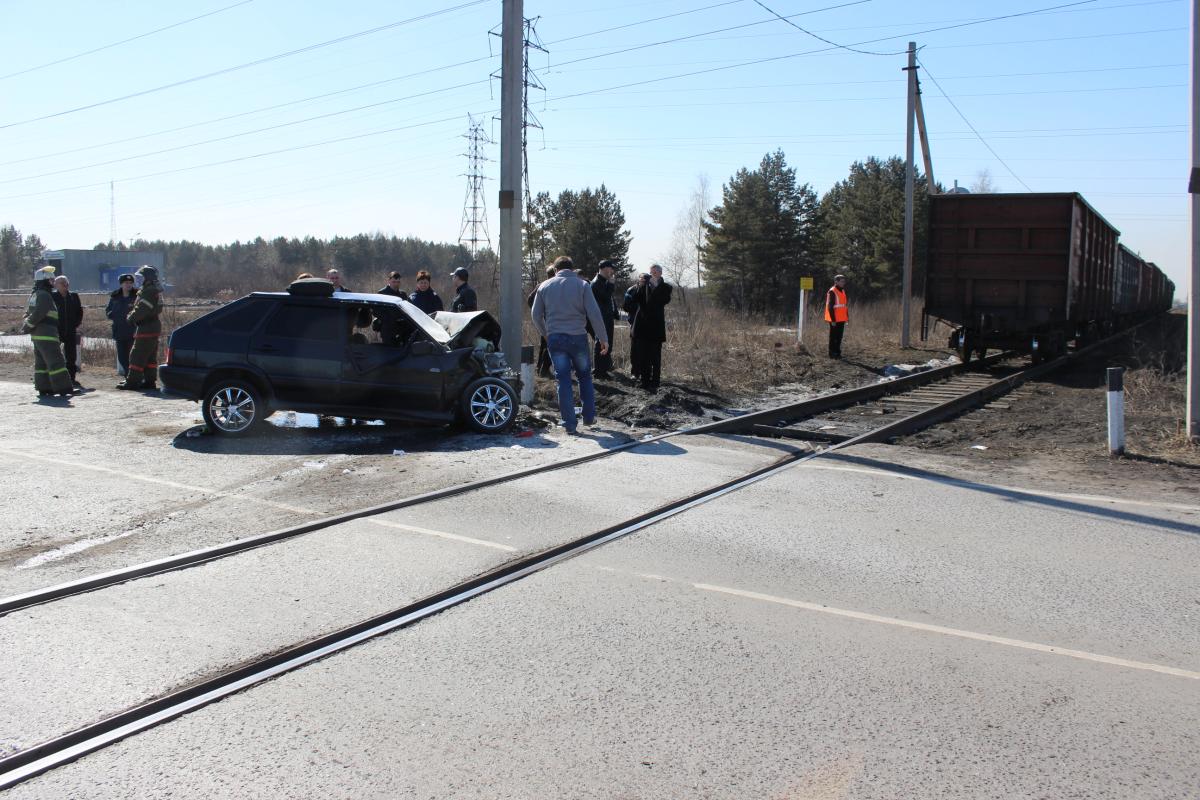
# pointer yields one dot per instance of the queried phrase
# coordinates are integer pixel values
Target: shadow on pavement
(1019, 496)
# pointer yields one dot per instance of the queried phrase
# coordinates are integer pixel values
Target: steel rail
(204, 555)
(42, 757)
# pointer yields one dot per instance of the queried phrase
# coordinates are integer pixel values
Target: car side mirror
(422, 347)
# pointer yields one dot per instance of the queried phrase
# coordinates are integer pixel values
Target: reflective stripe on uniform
(144, 300)
(56, 371)
(139, 369)
(146, 335)
(36, 338)
(39, 372)
(52, 314)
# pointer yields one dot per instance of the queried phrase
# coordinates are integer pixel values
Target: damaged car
(364, 356)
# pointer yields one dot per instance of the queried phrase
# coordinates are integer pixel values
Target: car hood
(464, 327)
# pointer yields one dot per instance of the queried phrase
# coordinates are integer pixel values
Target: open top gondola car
(1024, 272)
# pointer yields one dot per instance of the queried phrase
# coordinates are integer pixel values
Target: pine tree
(760, 239)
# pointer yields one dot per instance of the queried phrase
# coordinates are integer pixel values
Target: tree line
(747, 252)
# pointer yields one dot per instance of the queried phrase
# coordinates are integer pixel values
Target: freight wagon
(1031, 272)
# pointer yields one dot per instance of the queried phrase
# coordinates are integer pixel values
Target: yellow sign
(806, 284)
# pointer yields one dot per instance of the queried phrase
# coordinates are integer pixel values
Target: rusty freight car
(1025, 272)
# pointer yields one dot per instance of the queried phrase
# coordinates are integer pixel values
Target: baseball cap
(461, 273)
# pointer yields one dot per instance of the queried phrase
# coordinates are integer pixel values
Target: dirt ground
(1056, 426)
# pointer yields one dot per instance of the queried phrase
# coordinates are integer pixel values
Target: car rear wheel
(233, 407)
(489, 405)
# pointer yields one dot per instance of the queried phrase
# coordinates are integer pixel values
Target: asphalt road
(843, 629)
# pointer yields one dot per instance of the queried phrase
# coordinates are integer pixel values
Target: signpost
(806, 285)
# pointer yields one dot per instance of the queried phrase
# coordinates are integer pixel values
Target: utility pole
(112, 216)
(511, 74)
(906, 283)
(1193, 373)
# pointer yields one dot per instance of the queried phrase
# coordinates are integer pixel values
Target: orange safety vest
(840, 312)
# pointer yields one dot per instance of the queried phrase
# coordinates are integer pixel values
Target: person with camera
(646, 304)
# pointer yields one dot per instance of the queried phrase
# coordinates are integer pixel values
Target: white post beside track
(1116, 411)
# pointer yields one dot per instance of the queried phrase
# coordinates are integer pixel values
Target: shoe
(44, 394)
(126, 386)
(591, 423)
(572, 432)
(150, 387)
(77, 384)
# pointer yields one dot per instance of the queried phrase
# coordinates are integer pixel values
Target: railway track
(917, 401)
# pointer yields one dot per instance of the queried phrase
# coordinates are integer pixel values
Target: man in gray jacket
(562, 309)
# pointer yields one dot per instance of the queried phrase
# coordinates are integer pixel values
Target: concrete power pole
(1193, 360)
(906, 283)
(512, 307)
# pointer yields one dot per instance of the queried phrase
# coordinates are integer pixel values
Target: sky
(225, 120)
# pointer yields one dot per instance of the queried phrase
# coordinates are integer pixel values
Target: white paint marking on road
(440, 534)
(71, 549)
(1089, 498)
(962, 634)
(160, 482)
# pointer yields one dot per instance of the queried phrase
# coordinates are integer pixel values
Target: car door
(301, 348)
(397, 370)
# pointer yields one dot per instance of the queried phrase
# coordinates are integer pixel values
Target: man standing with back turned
(143, 358)
(562, 309)
(837, 314)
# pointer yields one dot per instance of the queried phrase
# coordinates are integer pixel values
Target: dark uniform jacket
(646, 306)
(465, 299)
(392, 292)
(428, 301)
(70, 313)
(116, 310)
(602, 290)
(146, 309)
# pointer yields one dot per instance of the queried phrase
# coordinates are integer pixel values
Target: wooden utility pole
(512, 309)
(906, 283)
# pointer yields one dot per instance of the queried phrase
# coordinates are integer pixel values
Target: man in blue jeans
(562, 308)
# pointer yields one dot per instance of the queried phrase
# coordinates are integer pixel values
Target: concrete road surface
(846, 629)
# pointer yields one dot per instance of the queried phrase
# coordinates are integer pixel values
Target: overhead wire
(62, 60)
(247, 65)
(974, 130)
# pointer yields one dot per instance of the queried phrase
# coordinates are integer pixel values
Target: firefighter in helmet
(143, 358)
(50, 375)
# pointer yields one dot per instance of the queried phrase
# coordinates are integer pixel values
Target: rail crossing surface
(846, 627)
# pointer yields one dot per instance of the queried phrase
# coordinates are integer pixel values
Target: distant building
(958, 189)
(98, 270)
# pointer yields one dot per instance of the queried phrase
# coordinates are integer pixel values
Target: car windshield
(424, 322)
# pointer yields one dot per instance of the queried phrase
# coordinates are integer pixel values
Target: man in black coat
(393, 286)
(602, 289)
(119, 303)
(464, 295)
(70, 317)
(646, 304)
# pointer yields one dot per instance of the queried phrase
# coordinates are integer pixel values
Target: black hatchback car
(367, 356)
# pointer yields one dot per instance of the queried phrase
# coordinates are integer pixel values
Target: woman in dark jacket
(119, 302)
(425, 298)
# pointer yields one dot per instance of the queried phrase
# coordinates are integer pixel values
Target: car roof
(422, 320)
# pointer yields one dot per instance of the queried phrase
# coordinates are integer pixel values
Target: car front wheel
(233, 407)
(489, 405)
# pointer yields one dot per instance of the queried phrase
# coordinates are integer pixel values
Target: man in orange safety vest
(836, 314)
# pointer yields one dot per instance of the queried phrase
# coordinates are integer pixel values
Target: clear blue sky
(1091, 98)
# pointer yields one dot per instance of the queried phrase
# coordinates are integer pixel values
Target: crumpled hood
(464, 327)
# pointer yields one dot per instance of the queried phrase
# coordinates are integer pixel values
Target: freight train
(1031, 272)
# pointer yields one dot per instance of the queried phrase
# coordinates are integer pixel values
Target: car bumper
(183, 381)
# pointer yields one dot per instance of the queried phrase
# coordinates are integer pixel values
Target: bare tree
(983, 183)
(682, 262)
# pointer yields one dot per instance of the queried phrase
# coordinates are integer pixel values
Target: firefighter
(837, 314)
(143, 358)
(50, 375)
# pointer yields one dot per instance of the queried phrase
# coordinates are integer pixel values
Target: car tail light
(170, 353)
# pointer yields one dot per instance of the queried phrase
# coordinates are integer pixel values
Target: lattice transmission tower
(474, 231)
(532, 41)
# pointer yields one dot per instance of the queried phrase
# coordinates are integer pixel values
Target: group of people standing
(565, 309)
(53, 317)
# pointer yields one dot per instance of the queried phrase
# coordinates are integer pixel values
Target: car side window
(240, 317)
(309, 322)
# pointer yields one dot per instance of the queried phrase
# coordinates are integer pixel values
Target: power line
(644, 22)
(64, 60)
(248, 64)
(972, 127)
(243, 133)
(782, 18)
